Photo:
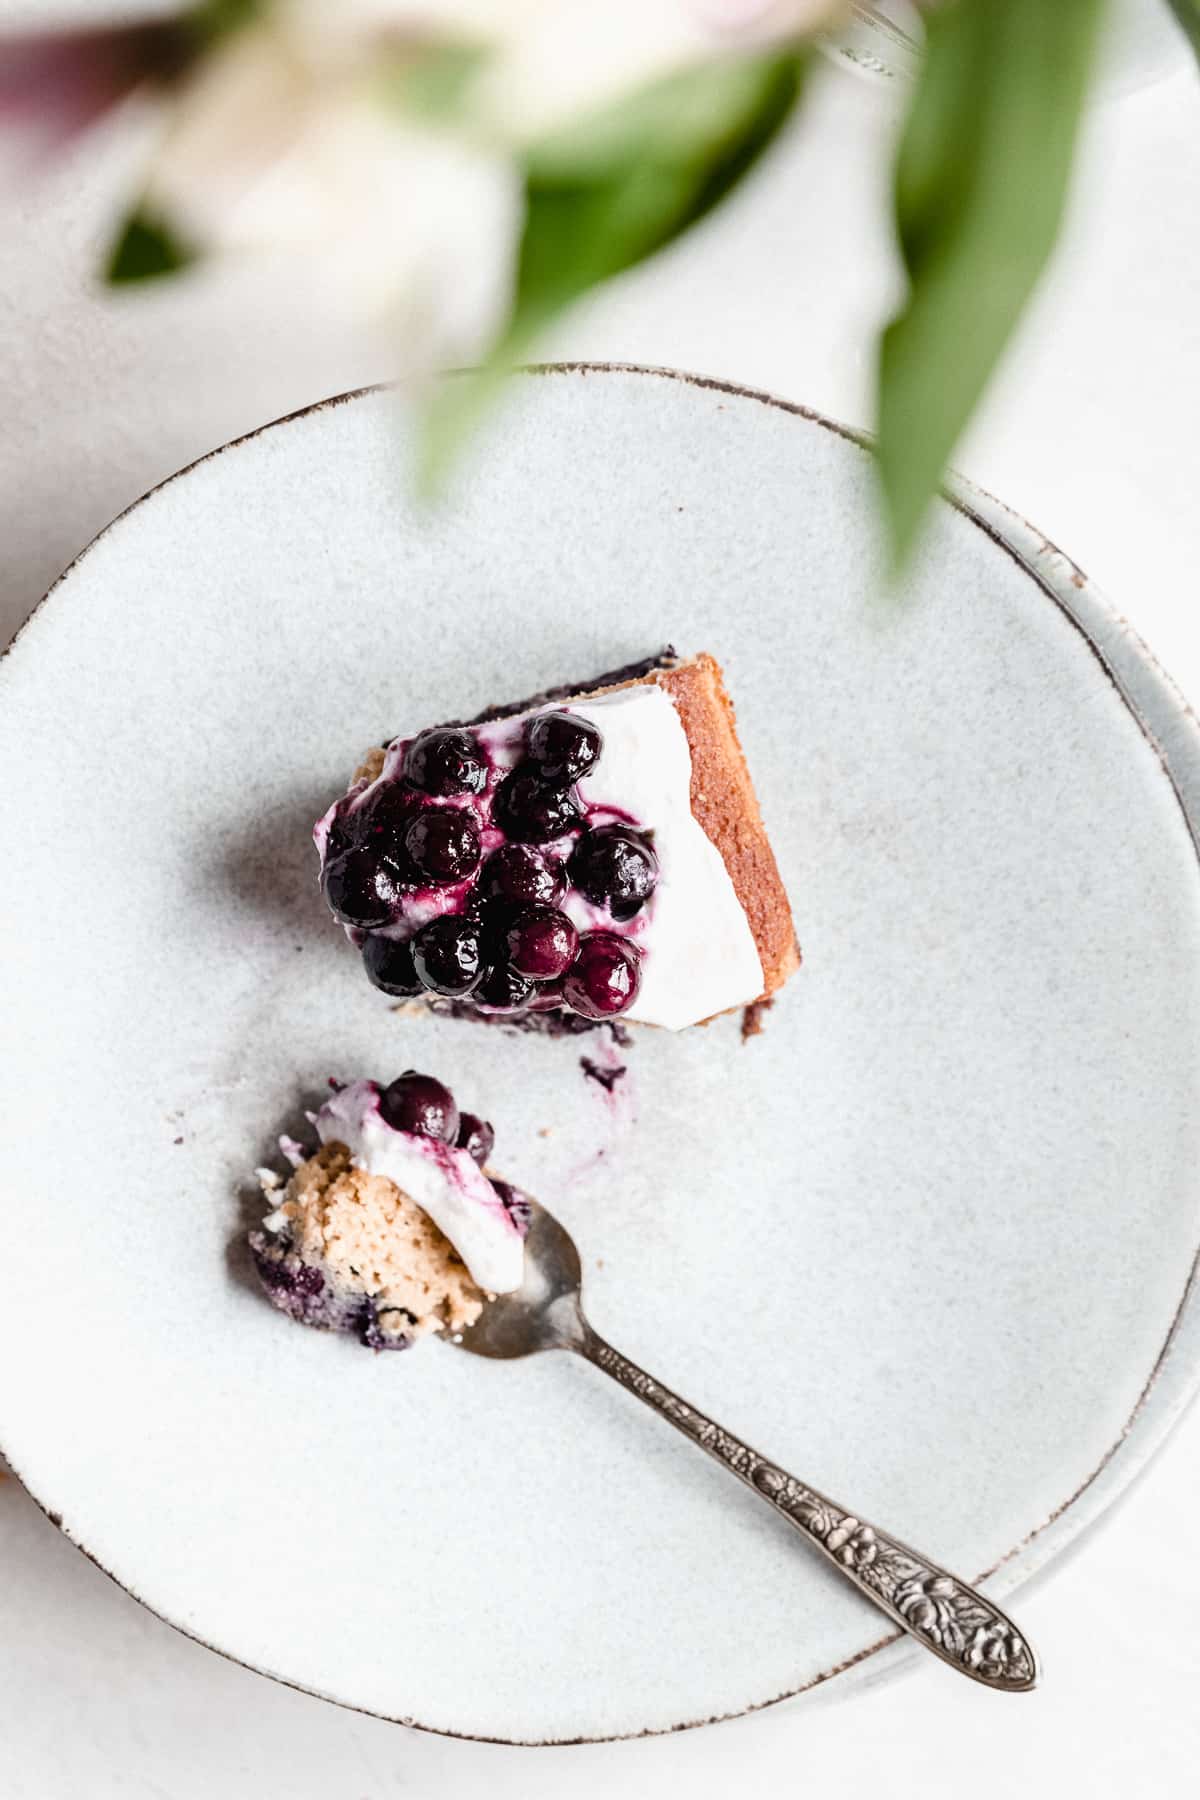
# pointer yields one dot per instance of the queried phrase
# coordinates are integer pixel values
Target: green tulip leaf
(1188, 14)
(145, 249)
(609, 192)
(980, 186)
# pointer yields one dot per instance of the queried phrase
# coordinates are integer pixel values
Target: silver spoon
(940, 1611)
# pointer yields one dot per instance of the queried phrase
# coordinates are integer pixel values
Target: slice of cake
(591, 860)
(392, 1228)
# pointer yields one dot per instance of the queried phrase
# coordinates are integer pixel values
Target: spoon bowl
(544, 1313)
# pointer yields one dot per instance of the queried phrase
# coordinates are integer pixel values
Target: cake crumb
(368, 1236)
(753, 1018)
(371, 766)
(292, 1150)
(545, 1130)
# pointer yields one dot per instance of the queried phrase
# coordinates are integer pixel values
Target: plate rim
(1169, 725)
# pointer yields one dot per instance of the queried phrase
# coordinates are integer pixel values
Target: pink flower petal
(56, 84)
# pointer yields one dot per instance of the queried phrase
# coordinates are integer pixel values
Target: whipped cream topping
(700, 956)
(445, 1182)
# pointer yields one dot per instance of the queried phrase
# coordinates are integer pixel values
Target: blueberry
(605, 977)
(565, 746)
(421, 1106)
(443, 843)
(533, 812)
(444, 762)
(614, 867)
(475, 1136)
(493, 918)
(502, 989)
(363, 888)
(344, 832)
(389, 965)
(447, 954)
(383, 819)
(541, 942)
(523, 874)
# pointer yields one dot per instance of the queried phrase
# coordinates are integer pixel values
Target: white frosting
(446, 1183)
(700, 953)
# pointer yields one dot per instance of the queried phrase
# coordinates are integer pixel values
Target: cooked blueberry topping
(508, 946)
(547, 996)
(420, 1105)
(515, 1203)
(532, 811)
(447, 954)
(604, 1076)
(502, 989)
(369, 1326)
(389, 965)
(564, 746)
(363, 888)
(345, 831)
(475, 1136)
(492, 918)
(541, 942)
(614, 866)
(383, 817)
(276, 1269)
(443, 843)
(445, 762)
(605, 977)
(523, 874)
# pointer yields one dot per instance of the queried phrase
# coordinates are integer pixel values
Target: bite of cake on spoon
(392, 1228)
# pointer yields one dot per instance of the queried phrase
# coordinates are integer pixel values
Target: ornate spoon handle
(940, 1611)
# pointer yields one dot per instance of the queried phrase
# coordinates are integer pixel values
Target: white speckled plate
(926, 1240)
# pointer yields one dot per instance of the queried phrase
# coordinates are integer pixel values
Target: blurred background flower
(458, 172)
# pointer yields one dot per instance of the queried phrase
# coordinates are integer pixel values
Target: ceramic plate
(927, 1240)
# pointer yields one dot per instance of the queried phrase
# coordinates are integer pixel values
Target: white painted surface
(1090, 436)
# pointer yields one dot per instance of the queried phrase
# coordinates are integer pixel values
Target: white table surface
(1090, 434)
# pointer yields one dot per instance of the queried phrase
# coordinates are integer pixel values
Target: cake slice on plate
(581, 857)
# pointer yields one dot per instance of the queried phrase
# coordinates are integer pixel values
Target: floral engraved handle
(954, 1621)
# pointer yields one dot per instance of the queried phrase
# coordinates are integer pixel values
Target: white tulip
(402, 222)
(551, 60)
(283, 138)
